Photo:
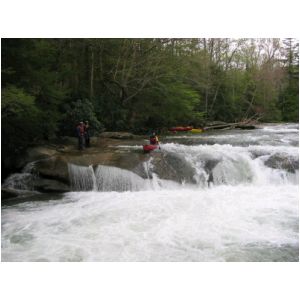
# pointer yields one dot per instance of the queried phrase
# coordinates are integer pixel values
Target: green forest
(136, 85)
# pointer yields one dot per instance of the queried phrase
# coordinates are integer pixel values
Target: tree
(81, 110)
(21, 121)
(289, 98)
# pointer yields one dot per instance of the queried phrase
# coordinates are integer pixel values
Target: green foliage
(140, 84)
(166, 104)
(21, 121)
(289, 97)
(290, 104)
(30, 64)
(16, 103)
(81, 110)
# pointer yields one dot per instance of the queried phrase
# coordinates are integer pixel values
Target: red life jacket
(80, 129)
(153, 141)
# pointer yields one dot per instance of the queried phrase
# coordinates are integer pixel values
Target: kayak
(188, 128)
(196, 130)
(148, 148)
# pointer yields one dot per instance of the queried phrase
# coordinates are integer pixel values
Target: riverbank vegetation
(48, 85)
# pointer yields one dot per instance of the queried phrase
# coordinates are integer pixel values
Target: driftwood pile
(245, 124)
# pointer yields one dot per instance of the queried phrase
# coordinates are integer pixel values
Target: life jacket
(80, 130)
(153, 140)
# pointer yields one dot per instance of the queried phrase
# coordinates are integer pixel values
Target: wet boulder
(53, 168)
(209, 165)
(8, 193)
(34, 154)
(285, 162)
(56, 167)
(50, 186)
(172, 166)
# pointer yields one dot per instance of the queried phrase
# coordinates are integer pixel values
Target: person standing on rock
(80, 134)
(87, 134)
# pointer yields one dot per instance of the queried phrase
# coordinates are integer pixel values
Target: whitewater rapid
(249, 211)
(220, 224)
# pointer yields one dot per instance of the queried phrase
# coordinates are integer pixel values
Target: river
(236, 200)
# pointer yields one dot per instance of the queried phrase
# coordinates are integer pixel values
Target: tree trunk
(92, 74)
(206, 101)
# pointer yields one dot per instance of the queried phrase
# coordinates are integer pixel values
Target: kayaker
(154, 139)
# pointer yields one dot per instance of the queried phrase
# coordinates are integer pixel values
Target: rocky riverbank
(48, 163)
(46, 168)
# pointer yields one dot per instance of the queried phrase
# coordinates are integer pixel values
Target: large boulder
(53, 168)
(57, 167)
(172, 166)
(8, 193)
(288, 163)
(50, 186)
(49, 164)
(34, 154)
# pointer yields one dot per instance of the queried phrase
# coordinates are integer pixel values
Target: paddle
(158, 143)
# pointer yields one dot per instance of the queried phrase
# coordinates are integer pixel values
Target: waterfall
(252, 159)
(116, 179)
(22, 181)
(105, 178)
(108, 178)
(232, 172)
(82, 178)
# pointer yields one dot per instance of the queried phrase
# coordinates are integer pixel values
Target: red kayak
(181, 128)
(148, 148)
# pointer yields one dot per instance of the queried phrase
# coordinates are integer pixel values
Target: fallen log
(222, 126)
(239, 125)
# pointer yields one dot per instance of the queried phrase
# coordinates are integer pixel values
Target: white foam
(237, 165)
(223, 223)
(225, 148)
(23, 180)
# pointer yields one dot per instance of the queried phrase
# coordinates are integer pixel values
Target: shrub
(81, 110)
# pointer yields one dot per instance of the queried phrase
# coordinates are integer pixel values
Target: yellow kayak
(195, 130)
